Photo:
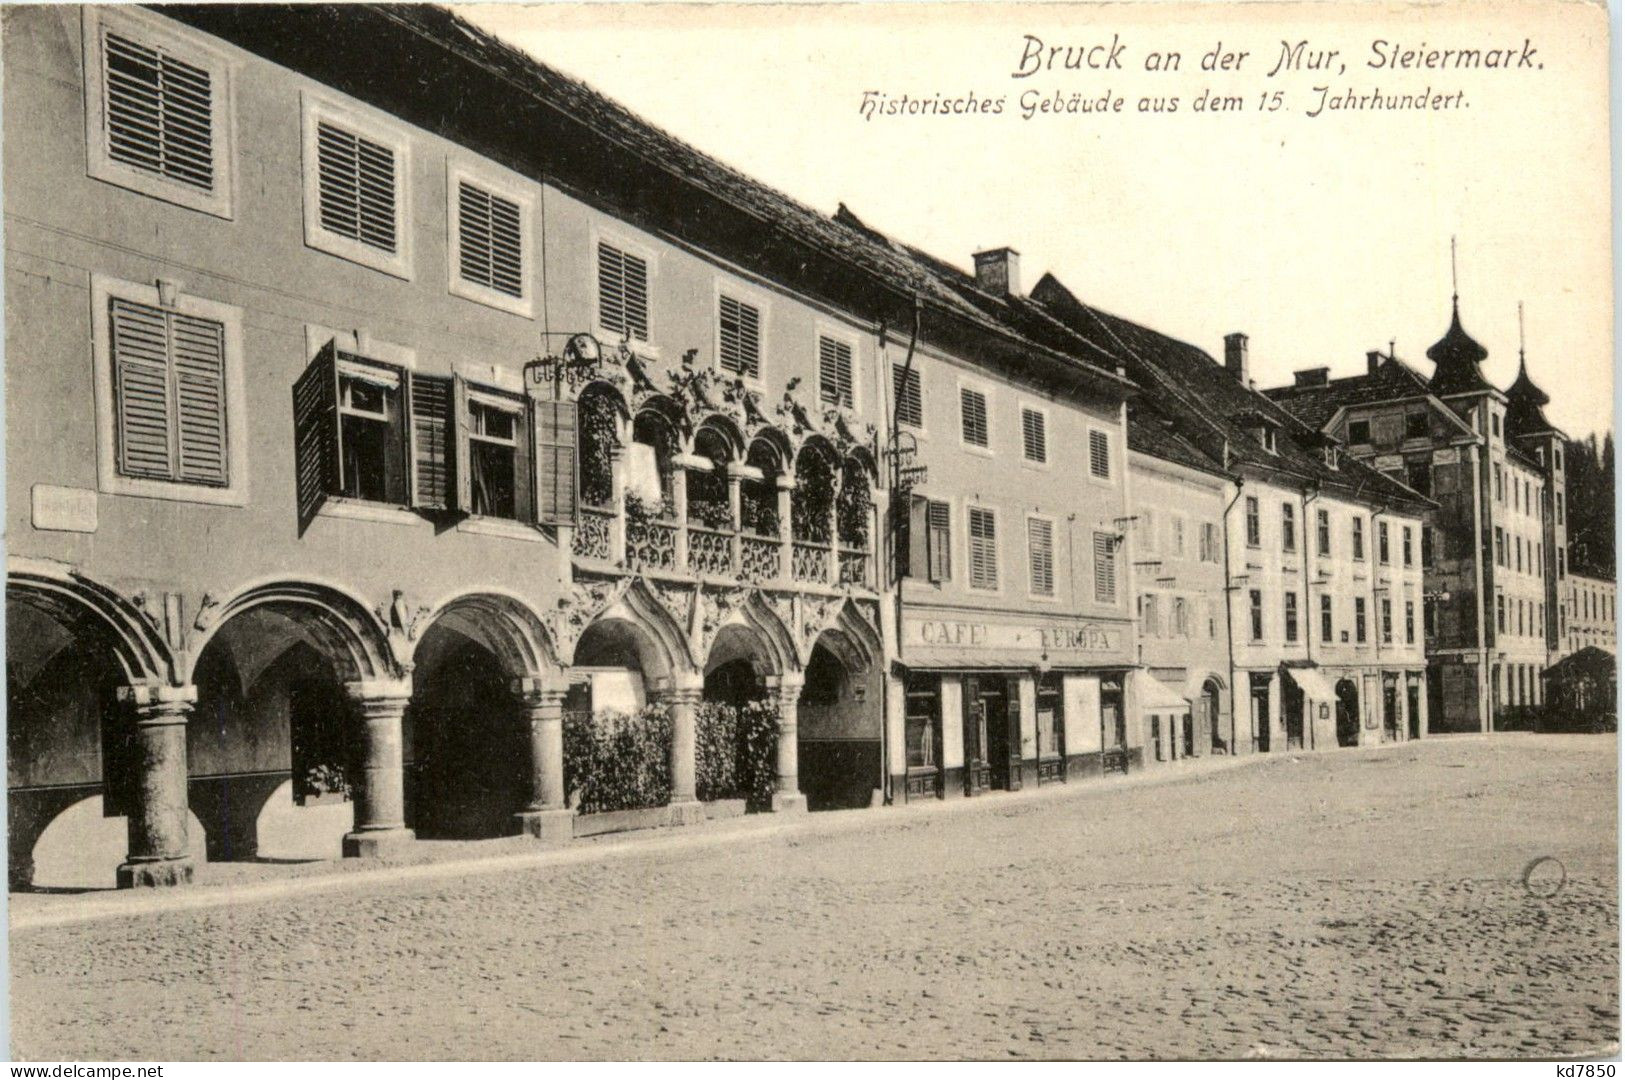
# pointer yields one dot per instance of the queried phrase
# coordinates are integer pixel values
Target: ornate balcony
(651, 545)
(759, 558)
(592, 539)
(710, 552)
(809, 562)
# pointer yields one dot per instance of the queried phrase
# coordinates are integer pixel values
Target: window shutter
(315, 434)
(489, 240)
(462, 471)
(835, 372)
(1100, 455)
(356, 186)
(159, 112)
(984, 559)
(428, 399)
(145, 406)
(556, 440)
(199, 350)
(623, 293)
(939, 548)
(1034, 443)
(1105, 569)
(1041, 556)
(739, 348)
(912, 556)
(907, 393)
(973, 417)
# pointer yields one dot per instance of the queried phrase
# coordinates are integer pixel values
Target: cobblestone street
(1352, 903)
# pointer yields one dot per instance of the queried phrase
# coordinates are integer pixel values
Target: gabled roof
(1590, 661)
(1157, 435)
(1456, 357)
(1184, 380)
(1316, 405)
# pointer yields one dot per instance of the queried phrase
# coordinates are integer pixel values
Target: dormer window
(1331, 457)
(1359, 432)
(1266, 438)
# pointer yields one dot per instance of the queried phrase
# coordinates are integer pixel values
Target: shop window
(1050, 703)
(922, 703)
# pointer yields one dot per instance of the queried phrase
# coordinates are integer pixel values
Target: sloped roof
(1456, 357)
(1316, 405)
(1184, 380)
(1590, 661)
(1526, 414)
(1152, 433)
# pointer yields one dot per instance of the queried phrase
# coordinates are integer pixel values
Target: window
(1359, 432)
(1430, 618)
(496, 458)
(1325, 618)
(1211, 551)
(973, 417)
(1291, 615)
(1500, 547)
(1147, 536)
(1182, 626)
(1560, 554)
(623, 295)
(1105, 568)
(1253, 531)
(834, 372)
(1266, 438)
(1559, 507)
(907, 389)
(1178, 524)
(1500, 485)
(939, 545)
(1495, 423)
(1289, 528)
(1034, 446)
(1405, 549)
(168, 377)
(491, 257)
(158, 107)
(1100, 455)
(739, 341)
(1359, 619)
(984, 550)
(1557, 457)
(1387, 621)
(1427, 545)
(1382, 542)
(1149, 618)
(1359, 538)
(372, 446)
(1416, 425)
(1041, 556)
(1255, 600)
(1501, 613)
(1419, 476)
(1323, 532)
(355, 188)
(1517, 553)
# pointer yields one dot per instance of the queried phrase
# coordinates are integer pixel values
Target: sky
(1320, 236)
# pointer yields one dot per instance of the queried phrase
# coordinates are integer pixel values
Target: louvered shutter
(1105, 569)
(1100, 455)
(199, 350)
(984, 556)
(489, 240)
(739, 346)
(428, 400)
(916, 562)
(1034, 443)
(835, 372)
(973, 417)
(1041, 556)
(524, 458)
(356, 186)
(623, 293)
(158, 112)
(938, 524)
(462, 465)
(145, 404)
(555, 454)
(907, 391)
(316, 434)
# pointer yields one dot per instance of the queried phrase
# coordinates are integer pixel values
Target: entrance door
(1348, 714)
(978, 774)
(1390, 712)
(1413, 698)
(1051, 727)
(1292, 712)
(1001, 713)
(1113, 727)
(1260, 696)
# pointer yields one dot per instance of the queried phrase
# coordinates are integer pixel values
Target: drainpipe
(1308, 607)
(1486, 609)
(892, 428)
(1229, 620)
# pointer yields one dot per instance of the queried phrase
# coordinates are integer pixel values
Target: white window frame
(1054, 559)
(516, 190)
(195, 48)
(987, 411)
(843, 334)
(998, 568)
(1022, 408)
(615, 238)
(104, 289)
(315, 108)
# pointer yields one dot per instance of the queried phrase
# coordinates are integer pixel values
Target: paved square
(1354, 903)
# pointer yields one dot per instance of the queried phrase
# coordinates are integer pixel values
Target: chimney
(1315, 376)
(1373, 360)
(999, 271)
(1235, 356)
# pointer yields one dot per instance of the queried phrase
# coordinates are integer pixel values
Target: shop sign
(1058, 638)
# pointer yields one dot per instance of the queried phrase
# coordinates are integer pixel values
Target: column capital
(679, 695)
(533, 693)
(147, 696)
(380, 693)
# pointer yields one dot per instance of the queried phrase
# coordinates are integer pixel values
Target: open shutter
(462, 473)
(938, 521)
(141, 384)
(316, 434)
(428, 400)
(553, 427)
(524, 458)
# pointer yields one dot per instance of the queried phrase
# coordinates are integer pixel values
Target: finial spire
(1454, 295)
(1520, 335)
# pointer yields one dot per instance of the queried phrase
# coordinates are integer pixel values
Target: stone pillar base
(377, 843)
(786, 802)
(548, 826)
(156, 874)
(686, 812)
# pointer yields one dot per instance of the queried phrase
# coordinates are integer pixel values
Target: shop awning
(1157, 696)
(1314, 685)
(917, 658)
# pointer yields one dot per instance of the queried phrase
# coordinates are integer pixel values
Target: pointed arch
(504, 624)
(336, 622)
(80, 602)
(754, 625)
(648, 628)
(850, 636)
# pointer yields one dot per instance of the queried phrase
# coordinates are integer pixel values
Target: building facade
(1495, 547)
(1587, 615)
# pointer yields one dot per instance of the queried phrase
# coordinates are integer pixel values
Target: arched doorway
(839, 724)
(1209, 702)
(1348, 713)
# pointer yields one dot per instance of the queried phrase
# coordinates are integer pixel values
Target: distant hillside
(1591, 506)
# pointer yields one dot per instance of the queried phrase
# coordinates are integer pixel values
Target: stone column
(159, 853)
(380, 798)
(786, 485)
(788, 798)
(685, 805)
(736, 512)
(679, 505)
(617, 502)
(541, 728)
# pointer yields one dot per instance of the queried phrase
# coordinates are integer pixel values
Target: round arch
(501, 622)
(81, 604)
(336, 622)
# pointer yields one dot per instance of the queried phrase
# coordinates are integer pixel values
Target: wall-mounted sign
(1448, 456)
(1057, 639)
